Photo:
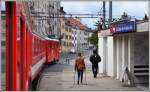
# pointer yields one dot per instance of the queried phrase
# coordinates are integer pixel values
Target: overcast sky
(133, 8)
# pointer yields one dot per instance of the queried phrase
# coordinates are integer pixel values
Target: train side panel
(26, 52)
(39, 57)
(17, 47)
(52, 50)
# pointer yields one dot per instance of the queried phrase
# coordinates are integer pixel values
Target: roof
(76, 23)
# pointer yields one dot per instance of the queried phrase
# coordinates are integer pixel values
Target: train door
(23, 62)
(12, 63)
(28, 57)
(57, 50)
(50, 51)
(46, 50)
(53, 51)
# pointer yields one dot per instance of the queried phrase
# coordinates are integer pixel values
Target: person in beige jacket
(79, 67)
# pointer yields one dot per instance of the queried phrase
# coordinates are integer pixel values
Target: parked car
(72, 51)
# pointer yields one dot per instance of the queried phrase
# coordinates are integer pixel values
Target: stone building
(46, 17)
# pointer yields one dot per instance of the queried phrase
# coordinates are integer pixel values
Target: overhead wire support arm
(78, 15)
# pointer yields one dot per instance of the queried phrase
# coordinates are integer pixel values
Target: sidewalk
(63, 79)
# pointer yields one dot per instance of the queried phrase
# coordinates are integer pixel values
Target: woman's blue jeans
(80, 75)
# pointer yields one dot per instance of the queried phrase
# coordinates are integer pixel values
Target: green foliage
(94, 38)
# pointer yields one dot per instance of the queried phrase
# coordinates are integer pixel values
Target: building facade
(121, 51)
(45, 14)
(67, 38)
(80, 34)
(75, 35)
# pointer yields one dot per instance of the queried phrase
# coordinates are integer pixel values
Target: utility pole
(110, 12)
(104, 15)
(0, 46)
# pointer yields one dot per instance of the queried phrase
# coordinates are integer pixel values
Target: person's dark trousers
(95, 70)
(80, 75)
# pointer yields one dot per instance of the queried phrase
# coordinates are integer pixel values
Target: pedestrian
(79, 67)
(95, 59)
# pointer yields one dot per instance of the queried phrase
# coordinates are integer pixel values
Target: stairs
(141, 74)
(141, 70)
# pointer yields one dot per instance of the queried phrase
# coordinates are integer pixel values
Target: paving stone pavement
(60, 77)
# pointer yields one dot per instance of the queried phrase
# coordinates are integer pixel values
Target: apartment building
(80, 34)
(45, 14)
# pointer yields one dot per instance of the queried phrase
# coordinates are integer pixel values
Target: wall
(100, 52)
(141, 49)
(119, 56)
(141, 56)
(110, 58)
(106, 51)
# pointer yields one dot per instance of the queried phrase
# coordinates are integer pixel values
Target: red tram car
(52, 50)
(26, 52)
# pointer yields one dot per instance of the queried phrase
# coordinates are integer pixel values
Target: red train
(26, 52)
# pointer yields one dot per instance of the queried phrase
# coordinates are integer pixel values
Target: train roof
(46, 38)
(50, 39)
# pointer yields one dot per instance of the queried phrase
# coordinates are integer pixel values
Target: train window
(35, 46)
(32, 46)
(49, 45)
(39, 46)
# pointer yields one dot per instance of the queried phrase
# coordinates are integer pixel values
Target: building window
(64, 44)
(70, 37)
(66, 36)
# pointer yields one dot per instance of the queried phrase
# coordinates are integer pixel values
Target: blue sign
(125, 26)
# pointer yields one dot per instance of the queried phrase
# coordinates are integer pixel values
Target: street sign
(123, 27)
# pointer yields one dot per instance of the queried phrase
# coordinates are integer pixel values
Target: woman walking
(79, 67)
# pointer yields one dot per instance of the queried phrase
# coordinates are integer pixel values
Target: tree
(145, 17)
(94, 38)
(98, 25)
(124, 16)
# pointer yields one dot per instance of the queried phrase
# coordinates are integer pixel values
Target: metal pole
(0, 45)
(110, 12)
(104, 15)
